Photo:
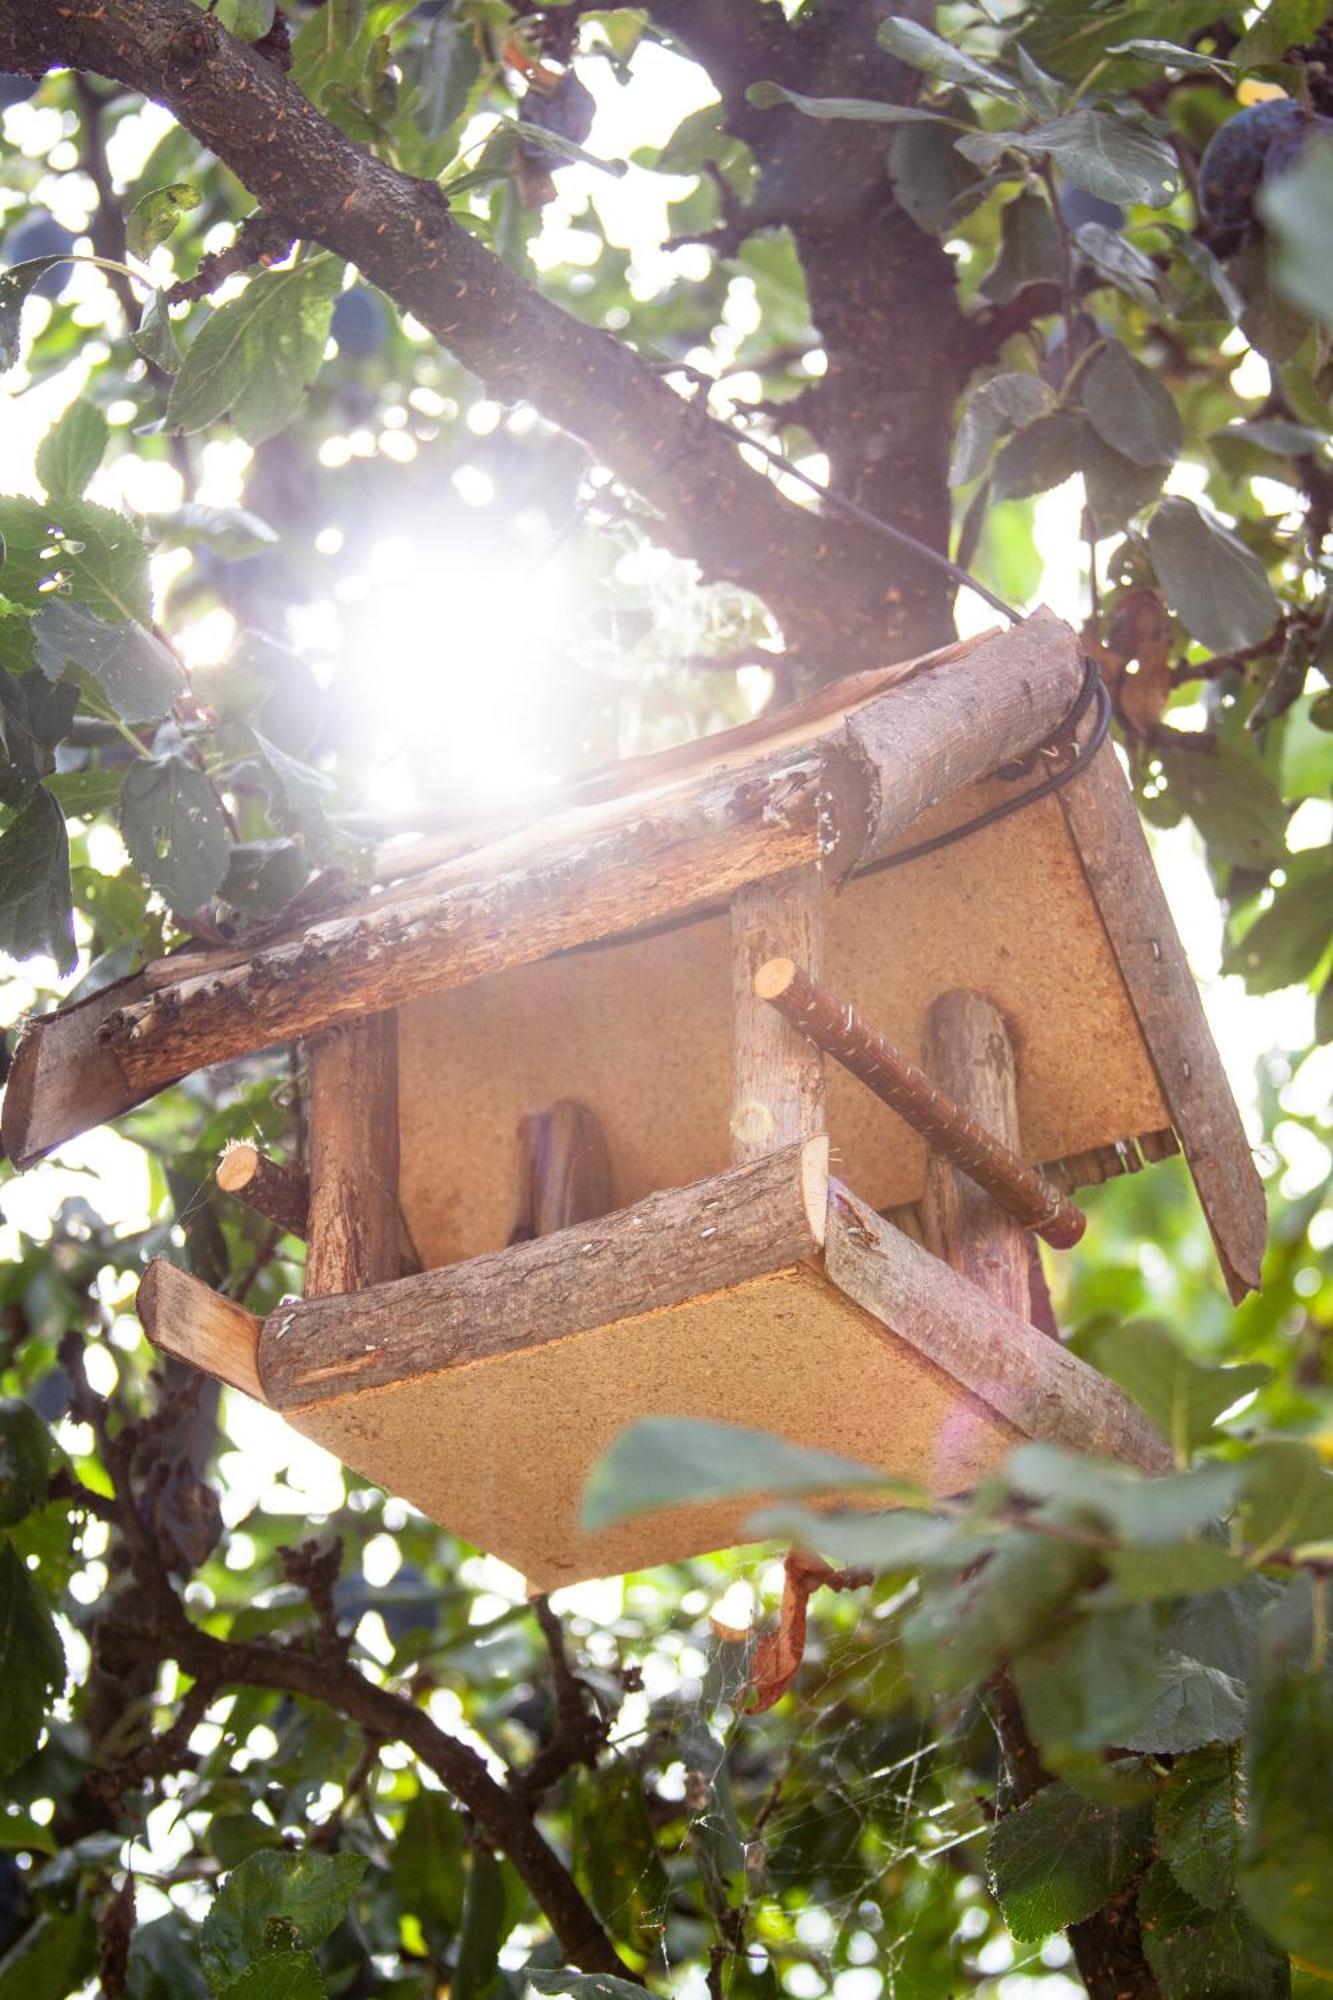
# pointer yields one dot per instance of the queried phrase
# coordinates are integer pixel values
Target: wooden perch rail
(833, 1027)
(281, 1194)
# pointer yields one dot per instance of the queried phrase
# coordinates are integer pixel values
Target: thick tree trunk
(882, 293)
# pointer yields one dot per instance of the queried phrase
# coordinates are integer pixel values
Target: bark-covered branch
(155, 1626)
(401, 234)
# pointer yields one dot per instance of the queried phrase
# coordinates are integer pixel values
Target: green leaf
(52, 1958)
(450, 65)
(1230, 797)
(1183, 1397)
(1029, 249)
(1287, 1499)
(932, 180)
(74, 549)
(581, 1985)
(1106, 156)
(616, 1859)
(257, 355)
(278, 1975)
(1129, 408)
(1004, 403)
(1280, 25)
(246, 19)
(139, 676)
(1070, 36)
(1041, 456)
(1169, 55)
(668, 1461)
(174, 830)
(865, 110)
(155, 336)
(1286, 942)
(1198, 1822)
(156, 214)
(1287, 1859)
(1297, 207)
(25, 1460)
(427, 1867)
(32, 1662)
(15, 285)
(1059, 1858)
(36, 911)
(310, 1891)
(963, 1630)
(1202, 1954)
(1112, 256)
(1153, 1511)
(231, 532)
(476, 1972)
(71, 451)
(1115, 488)
(931, 54)
(1109, 1680)
(900, 1540)
(1179, 1569)
(1218, 588)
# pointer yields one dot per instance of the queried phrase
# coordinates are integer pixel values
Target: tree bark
(882, 292)
(972, 1055)
(399, 231)
(777, 1076)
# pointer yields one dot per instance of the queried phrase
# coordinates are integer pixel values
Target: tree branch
(400, 233)
(156, 1627)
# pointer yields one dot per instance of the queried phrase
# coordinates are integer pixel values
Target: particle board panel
(640, 1030)
(499, 1450)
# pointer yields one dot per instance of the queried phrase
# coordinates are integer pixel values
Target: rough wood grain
(841, 789)
(564, 1169)
(1099, 809)
(354, 1235)
(970, 1054)
(64, 1079)
(777, 1094)
(603, 872)
(964, 719)
(183, 1316)
(1043, 1389)
(273, 1189)
(942, 1120)
(673, 1246)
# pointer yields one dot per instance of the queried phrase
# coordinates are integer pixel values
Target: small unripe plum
(40, 235)
(360, 322)
(16, 89)
(1257, 144)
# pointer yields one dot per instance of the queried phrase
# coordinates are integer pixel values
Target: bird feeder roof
(657, 846)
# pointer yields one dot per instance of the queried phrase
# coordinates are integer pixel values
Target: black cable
(855, 512)
(1092, 689)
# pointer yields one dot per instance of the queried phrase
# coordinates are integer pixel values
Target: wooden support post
(970, 1054)
(943, 1122)
(354, 1225)
(777, 1073)
(280, 1193)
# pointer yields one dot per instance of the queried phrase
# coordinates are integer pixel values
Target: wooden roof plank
(1020, 1372)
(183, 1316)
(1103, 819)
(844, 790)
(675, 1245)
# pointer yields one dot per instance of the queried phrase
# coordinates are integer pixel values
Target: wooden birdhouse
(634, 1108)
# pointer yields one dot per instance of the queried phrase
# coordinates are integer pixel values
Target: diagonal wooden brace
(898, 1082)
